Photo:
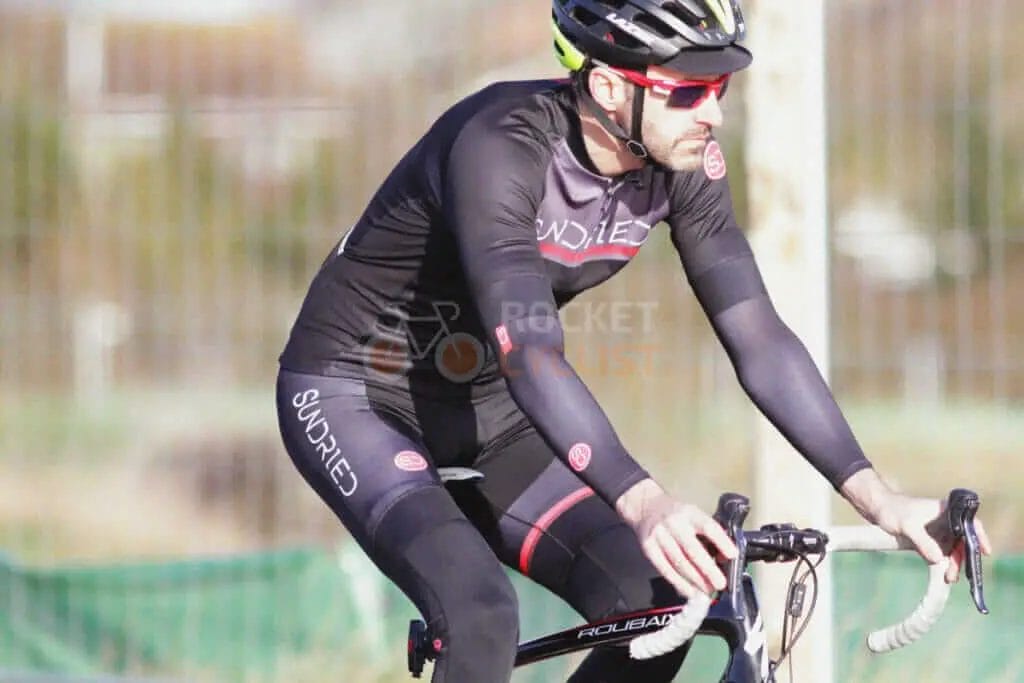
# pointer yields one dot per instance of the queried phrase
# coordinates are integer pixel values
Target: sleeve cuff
(856, 466)
(614, 492)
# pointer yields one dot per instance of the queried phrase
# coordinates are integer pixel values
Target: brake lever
(961, 509)
(731, 513)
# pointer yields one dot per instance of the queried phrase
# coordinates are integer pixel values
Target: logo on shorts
(714, 161)
(579, 456)
(410, 461)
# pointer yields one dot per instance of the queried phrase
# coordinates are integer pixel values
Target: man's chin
(687, 155)
(681, 161)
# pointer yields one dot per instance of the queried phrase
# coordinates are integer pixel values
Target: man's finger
(702, 560)
(714, 532)
(956, 560)
(654, 553)
(986, 545)
(676, 556)
(673, 548)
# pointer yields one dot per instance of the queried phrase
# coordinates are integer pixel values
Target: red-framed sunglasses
(682, 94)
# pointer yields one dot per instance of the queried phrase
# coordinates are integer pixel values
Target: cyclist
(520, 197)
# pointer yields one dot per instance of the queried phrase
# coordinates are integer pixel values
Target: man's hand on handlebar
(906, 516)
(676, 537)
(920, 520)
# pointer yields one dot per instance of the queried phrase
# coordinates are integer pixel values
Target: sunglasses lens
(688, 96)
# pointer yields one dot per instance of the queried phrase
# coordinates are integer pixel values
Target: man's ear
(607, 88)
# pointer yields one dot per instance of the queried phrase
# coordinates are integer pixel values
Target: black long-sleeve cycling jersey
(495, 219)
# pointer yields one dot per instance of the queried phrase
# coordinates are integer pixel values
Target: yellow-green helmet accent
(570, 57)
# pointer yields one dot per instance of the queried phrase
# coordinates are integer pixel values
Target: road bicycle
(734, 614)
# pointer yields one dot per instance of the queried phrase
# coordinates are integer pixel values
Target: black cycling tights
(369, 461)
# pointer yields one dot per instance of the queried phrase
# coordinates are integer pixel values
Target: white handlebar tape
(864, 538)
(679, 629)
(920, 620)
(928, 611)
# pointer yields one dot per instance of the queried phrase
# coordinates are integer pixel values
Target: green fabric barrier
(874, 590)
(307, 615)
(220, 619)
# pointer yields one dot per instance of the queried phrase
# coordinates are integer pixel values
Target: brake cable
(794, 601)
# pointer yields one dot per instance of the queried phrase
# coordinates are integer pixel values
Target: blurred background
(172, 175)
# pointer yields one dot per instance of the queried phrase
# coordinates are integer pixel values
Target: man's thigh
(543, 521)
(375, 474)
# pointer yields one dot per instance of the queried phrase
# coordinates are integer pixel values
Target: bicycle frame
(742, 633)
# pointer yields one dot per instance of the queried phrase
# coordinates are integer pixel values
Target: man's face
(676, 137)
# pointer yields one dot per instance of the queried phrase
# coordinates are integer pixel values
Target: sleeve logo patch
(579, 456)
(714, 161)
(504, 341)
(410, 461)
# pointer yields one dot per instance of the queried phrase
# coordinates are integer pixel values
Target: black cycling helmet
(698, 37)
(695, 37)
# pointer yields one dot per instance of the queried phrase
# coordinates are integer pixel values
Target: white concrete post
(786, 166)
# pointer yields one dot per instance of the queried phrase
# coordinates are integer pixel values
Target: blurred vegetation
(39, 176)
(917, 116)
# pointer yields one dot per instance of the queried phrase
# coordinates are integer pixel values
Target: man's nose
(709, 112)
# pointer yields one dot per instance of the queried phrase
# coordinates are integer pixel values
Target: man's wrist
(631, 504)
(868, 494)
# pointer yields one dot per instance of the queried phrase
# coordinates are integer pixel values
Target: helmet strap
(633, 142)
(638, 117)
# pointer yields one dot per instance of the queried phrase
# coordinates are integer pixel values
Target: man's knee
(445, 566)
(478, 610)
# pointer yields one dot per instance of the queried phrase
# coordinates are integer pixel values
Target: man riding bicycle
(464, 221)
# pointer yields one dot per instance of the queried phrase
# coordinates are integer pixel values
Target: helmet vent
(681, 13)
(654, 26)
(623, 39)
(584, 16)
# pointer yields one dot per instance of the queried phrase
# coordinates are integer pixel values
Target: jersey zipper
(609, 205)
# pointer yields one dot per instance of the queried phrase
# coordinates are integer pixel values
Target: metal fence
(928, 219)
